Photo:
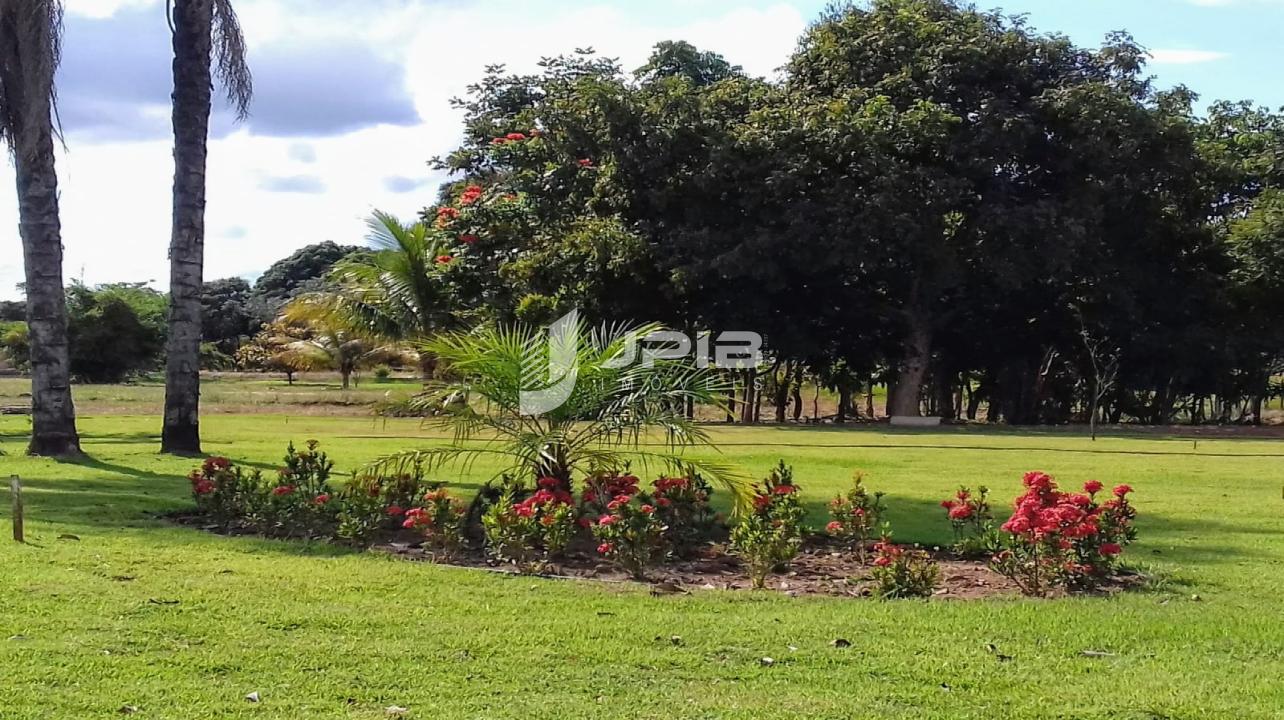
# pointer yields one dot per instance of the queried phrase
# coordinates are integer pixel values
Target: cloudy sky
(352, 100)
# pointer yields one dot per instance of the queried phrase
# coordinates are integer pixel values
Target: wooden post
(15, 489)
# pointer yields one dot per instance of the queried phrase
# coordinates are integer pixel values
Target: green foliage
(114, 330)
(528, 532)
(227, 314)
(15, 344)
(632, 535)
(855, 515)
(611, 414)
(903, 573)
(768, 537)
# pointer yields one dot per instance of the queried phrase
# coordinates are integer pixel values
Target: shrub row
(1053, 539)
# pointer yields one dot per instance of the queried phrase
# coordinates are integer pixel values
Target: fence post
(15, 489)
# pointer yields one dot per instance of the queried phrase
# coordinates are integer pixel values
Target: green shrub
(902, 573)
(529, 532)
(770, 535)
(632, 535)
(856, 515)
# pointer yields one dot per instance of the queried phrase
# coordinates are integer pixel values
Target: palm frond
(230, 63)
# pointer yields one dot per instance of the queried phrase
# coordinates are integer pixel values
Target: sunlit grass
(182, 624)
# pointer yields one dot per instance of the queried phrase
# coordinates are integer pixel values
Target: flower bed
(666, 532)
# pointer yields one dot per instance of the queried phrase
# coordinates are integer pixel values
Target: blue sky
(353, 100)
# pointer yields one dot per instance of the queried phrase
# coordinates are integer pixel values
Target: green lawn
(182, 624)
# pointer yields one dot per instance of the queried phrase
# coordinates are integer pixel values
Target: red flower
(549, 483)
(584, 163)
(1121, 490)
(515, 137)
(607, 520)
(468, 239)
(523, 510)
(761, 502)
(280, 490)
(1111, 549)
(947, 504)
(834, 527)
(448, 213)
(204, 487)
(470, 195)
(648, 509)
(444, 259)
(322, 499)
(498, 141)
(395, 511)
(961, 512)
(664, 502)
(605, 548)
(1092, 487)
(882, 561)
(584, 522)
(784, 489)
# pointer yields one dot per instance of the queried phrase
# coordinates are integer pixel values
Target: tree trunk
(869, 401)
(914, 361)
(346, 374)
(844, 403)
(748, 401)
(192, 26)
(731, 400)
(797, 392)
(427, 366)
(781, 388)
(53, 416)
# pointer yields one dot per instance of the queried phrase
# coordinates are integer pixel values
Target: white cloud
(1170, 56)
(116, 195)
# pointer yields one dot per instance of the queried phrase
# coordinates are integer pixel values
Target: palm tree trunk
(53, 415)
(27, 63)
(193, 21)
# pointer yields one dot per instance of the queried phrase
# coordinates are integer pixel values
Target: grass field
(182, 624)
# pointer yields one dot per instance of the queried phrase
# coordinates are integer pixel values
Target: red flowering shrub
(529, 532)
(901, 573)
(371, 504)
(770, 534)
(602, 488)
(223, 491)
(682, 505)
(440, 518)
(969, 513)
(288, 507)
(856, 514)
(470, 195)
(1064, 539)
(631, 534)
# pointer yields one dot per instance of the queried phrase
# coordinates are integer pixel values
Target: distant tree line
(118, 330)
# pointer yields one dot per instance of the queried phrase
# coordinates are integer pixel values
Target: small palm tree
(332, 346)
(30, 41)
(613, 411)
(205, 31)
(396, 294)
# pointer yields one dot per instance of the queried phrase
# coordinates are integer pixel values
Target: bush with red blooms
(769, 536)
(631, 534)
(1058, 539)
(224, 492)
(682, 504)
(372, 504)
(440, 518)
(902, 573)
(975, 534)
(530, 532)
(854, 516)
(289, 508)
(601, 488)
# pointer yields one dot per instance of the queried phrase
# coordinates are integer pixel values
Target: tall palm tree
(30, 43)
(396, 294)
(204, 30)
